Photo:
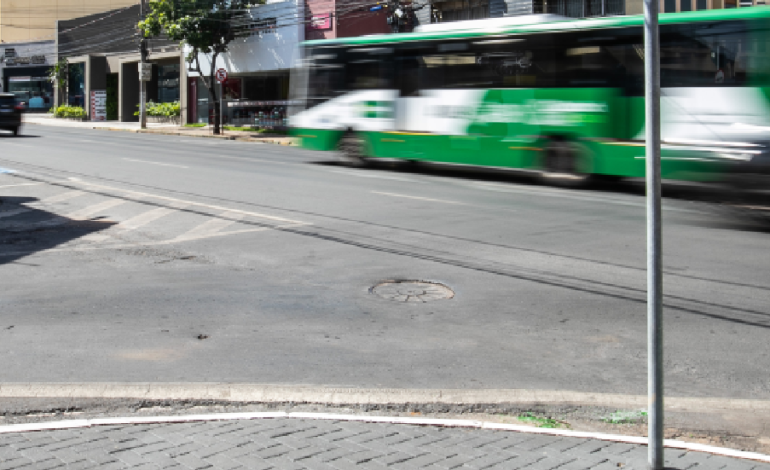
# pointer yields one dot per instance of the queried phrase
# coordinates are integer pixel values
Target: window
(168, 83)
(709, 54)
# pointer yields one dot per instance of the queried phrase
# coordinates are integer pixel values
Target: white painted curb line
(87, 423)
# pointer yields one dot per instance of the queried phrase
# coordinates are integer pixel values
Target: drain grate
(412, 291)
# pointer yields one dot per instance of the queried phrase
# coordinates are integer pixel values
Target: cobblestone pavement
(294, 444)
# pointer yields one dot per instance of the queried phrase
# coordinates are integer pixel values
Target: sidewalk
(262, 441)
(152, 128)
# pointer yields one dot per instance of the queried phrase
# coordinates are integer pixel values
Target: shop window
(168, 83)
(76, 84)
(685, 5)
(37, 92)
(702, 5)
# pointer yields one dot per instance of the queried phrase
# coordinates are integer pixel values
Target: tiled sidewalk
(294, 444)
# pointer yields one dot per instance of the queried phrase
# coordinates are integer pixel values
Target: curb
(88, 423)
(257, 393)
(266, 140)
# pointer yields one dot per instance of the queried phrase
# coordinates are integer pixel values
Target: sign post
(221, 76)
(654, 255)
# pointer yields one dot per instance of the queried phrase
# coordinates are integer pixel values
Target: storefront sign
(98, 105)
(323, 21)
(11, 58)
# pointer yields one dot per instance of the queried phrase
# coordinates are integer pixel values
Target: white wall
(267, 51)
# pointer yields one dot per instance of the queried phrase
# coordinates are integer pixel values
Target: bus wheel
(562, 164)
(351, 146)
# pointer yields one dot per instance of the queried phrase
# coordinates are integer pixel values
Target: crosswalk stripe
(58, 198)
(144, 218)
(211, 227)
(94, 209)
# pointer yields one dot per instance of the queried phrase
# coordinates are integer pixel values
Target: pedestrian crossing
(120, 217)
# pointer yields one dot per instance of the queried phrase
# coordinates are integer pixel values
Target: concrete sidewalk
(161, 129)
(220, 442)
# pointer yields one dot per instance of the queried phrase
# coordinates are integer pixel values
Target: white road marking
(419, 198)
(210, 227)
(142, 195)
(13, 212)
(155, 163)
(94, 209)
(362, 174)
(144, 218)
(17, 185)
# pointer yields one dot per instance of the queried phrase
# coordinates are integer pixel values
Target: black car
(10, 113)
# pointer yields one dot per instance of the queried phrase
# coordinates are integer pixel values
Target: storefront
(24, 69)
(251, 100)
(258, 63)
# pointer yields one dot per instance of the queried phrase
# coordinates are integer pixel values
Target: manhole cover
(412, 291)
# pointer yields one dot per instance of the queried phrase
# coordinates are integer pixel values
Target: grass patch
(195, 124)
(539, 421)
(625, 417)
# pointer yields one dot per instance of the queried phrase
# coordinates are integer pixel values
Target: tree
(59, 75)
(205, 26)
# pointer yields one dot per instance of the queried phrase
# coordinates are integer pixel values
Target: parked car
(10, 113)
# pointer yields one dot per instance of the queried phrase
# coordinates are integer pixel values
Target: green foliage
(67, 111)
(195, 124)
(58, 73)
(539, 421)
(204, 26)
(163, 109)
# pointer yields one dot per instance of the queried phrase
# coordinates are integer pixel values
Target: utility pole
(654, 246)
(143, 78)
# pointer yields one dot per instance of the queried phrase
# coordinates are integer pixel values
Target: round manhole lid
(412, 291)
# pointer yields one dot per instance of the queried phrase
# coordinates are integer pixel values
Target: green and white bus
(560, 96)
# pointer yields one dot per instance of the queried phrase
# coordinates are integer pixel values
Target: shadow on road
(26, 230)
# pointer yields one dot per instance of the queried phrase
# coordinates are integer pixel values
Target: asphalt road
(128, 257)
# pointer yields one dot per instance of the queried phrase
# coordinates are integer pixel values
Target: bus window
(326, 72)
(705, 54)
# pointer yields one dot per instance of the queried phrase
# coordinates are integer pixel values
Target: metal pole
(221, 108)
(142, 83)
(654, 254)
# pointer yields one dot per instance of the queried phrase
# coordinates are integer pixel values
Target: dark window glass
(685, 5)
(669, 6)
(701, 4)
(712, 54)
(609, 58)
(7, 101)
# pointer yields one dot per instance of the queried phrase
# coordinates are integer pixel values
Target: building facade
(110, 65)
(24, 70)
(35, 20)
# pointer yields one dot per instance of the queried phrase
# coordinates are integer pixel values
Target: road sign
(145, 71)
(221, 75)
